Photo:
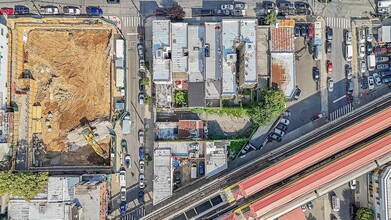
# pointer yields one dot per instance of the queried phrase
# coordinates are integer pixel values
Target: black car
(113, 1)
(282, 127)
(329, 33)
(364, 82)
(141, 196)
(369, 48)
(141, 85)
(269, 5)
(177, 177)
(297, 93)
(261, 20)
(124, 145)
(315, 74)
(303, 12)
(302, 5)
(328, 47)
(303, 31)
(297, 31)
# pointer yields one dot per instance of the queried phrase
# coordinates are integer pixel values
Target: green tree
(145, 81)
(180, 98)
(364, 214)
(271, 18)
(271, 105)
(147, 100)
(24, 184)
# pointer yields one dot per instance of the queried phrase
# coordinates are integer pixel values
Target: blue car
(201, 169)
(141, 151)
(92, 10)
(21, 9)
(123, 208)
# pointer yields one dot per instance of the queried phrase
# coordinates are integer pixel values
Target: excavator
(90, 137)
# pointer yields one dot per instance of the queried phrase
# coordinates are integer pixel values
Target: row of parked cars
(280, 129)
(53, 10)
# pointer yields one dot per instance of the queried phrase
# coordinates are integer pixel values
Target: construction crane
(90, 137)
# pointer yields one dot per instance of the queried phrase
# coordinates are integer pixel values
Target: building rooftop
(282, 39)
(212, 59)
(3, 65)
(163, 95)
(216, 157)
(179, 47)
(162, 167)
(230, 39)
(166, 130)
(191, 129)
(191, 149)
(283, 72)
(161, 47)
(196, 94)
(196, 53)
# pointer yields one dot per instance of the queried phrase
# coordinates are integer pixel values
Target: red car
(310, 33)
(8, 11)
(160, 12)
(329, 67)
(310, 26)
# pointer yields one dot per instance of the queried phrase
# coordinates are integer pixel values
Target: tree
(271, 105)
(24, 184)
(364, 214)
(176, 12)
(145, 81)
(147, 100)
(271, 18)
(180, 98)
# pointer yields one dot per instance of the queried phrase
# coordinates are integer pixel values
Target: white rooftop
(216, 157)
(230, 37)
(3, 64)
(178, 47)
(161, 46)
(248, 30)
(162, 182)
(196, 53)
(287, 82)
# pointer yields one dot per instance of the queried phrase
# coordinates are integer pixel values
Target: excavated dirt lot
(72, 70)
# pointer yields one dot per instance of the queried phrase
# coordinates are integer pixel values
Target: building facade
(379, 192)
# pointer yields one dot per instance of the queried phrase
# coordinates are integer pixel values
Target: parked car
(177, 177)
(240, 6)
(297, 93)
(330, 85)
(377, 78)
(329, 33)
(335, 203)
(386, 80)
(275, 137)
(141, 136)
(369, 48)
(206, 12)
(21, 9)
(201, 168)
(285, 5)
(310, 33)
(268, 6)
(122, 177)
(369, 34)
(141, 85)
(140, 50)
(123, 209)
(7, 11)
(385, 74)
(364, 82)
(349, 87)
(123, 194)
(353, 184)
(303, 12)
(287, 113)
(361, 36)
(71, 10)
(93, 10)
(128, 161)
(382, 59)
(281, 127)
(141, 153)
(141, 98)
(141, 181)
(383, 66)
(113, 1)
(316, 117)
(371, 82)
(48, 10)
(303, 31)
(228, 7)
(297, 31)
(310, 26)
(124, 145)
(361, 50)
(329, 67)
(310, 205)
(348, 38)
(142, 65)
(363, 66)
(285, 121)
(303, 208)
(140, 196)
(328, 47)
(302, 5)
(315, 74)
(348, 72)
(278, 132)
(141, 164)
(224, 12)
(380, 50)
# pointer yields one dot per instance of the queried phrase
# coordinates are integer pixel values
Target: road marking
(341, 111)
(342, 97)
(338, 22)
(133, 21)
(132, 34)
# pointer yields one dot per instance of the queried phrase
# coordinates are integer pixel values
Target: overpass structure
(314, 149)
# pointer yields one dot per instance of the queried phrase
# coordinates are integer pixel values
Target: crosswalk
(135, 215)
(131, 21)
(338, 22)
(341, 111)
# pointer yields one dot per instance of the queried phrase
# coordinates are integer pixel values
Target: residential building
(3, 65)
(379, 193)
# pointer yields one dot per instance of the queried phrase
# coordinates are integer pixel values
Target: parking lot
(184, 177)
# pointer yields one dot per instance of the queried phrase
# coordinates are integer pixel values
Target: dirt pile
(72, 70)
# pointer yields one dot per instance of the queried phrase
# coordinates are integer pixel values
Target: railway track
(259, 164)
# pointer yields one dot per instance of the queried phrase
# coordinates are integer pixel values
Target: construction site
(61, 77)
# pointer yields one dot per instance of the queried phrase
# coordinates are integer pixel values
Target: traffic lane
(337, 56)
(347, 197)
(303, 110)
(337, 98)
(131, 196)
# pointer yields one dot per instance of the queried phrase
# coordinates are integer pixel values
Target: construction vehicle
(90, 137)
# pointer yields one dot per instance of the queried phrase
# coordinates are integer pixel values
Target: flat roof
(216, 157)
(3, 65)
(196, 53)
(283, 72)
(178, 47)
(163, 95)
(212, 62)
(193, 149)
(196, 94)
(162, 182)
(161, 44)
(248, 30)
(282, 39)
(88, 194)
(230, 37)
(190, 128)
(166, 130)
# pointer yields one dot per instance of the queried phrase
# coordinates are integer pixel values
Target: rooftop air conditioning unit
(231, 58)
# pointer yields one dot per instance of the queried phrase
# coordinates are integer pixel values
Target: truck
(371, 62)
(126, 124)
(119, 48)
(318, 49)
(119, 79)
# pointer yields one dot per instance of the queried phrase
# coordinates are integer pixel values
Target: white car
(279, 132)
(141, 98)
(123, 194)
(122, 177)
(361, 36)
(363, 66)
(371, 82)
(142, 65)
(140, 50)
(285, 121)
(240, 6)
(377, 78)
(141, 181)
(330, 85)
(229, 7)
(141, 136)
(348, 38)
(141, 166)
(353, 184)
(71, 10)
(361, 50)
(369, 34)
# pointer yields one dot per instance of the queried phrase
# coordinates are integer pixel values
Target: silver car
(363, 66)
(285, 121)
(123, 194)
(361, 50)
(141, 181)
(330, 85)
(279, 132)
(349, 74)
(141, 166)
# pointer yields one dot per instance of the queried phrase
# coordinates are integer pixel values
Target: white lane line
(340, 98)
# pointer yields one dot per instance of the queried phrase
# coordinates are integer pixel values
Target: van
(335, 203)
(317, 53)
(349, 53)
(193, 172)
(371, 62)
(350, 87)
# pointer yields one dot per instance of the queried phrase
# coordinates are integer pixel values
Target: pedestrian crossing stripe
(341, 111)
(338, 22)
(131, 21)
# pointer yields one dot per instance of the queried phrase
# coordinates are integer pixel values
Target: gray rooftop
(248, 30)
(230, 37)
(178, 47)
(162, 182)
(213, 71)
(196, 94)
(161, 46)
(216, 157)
(196, 53)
